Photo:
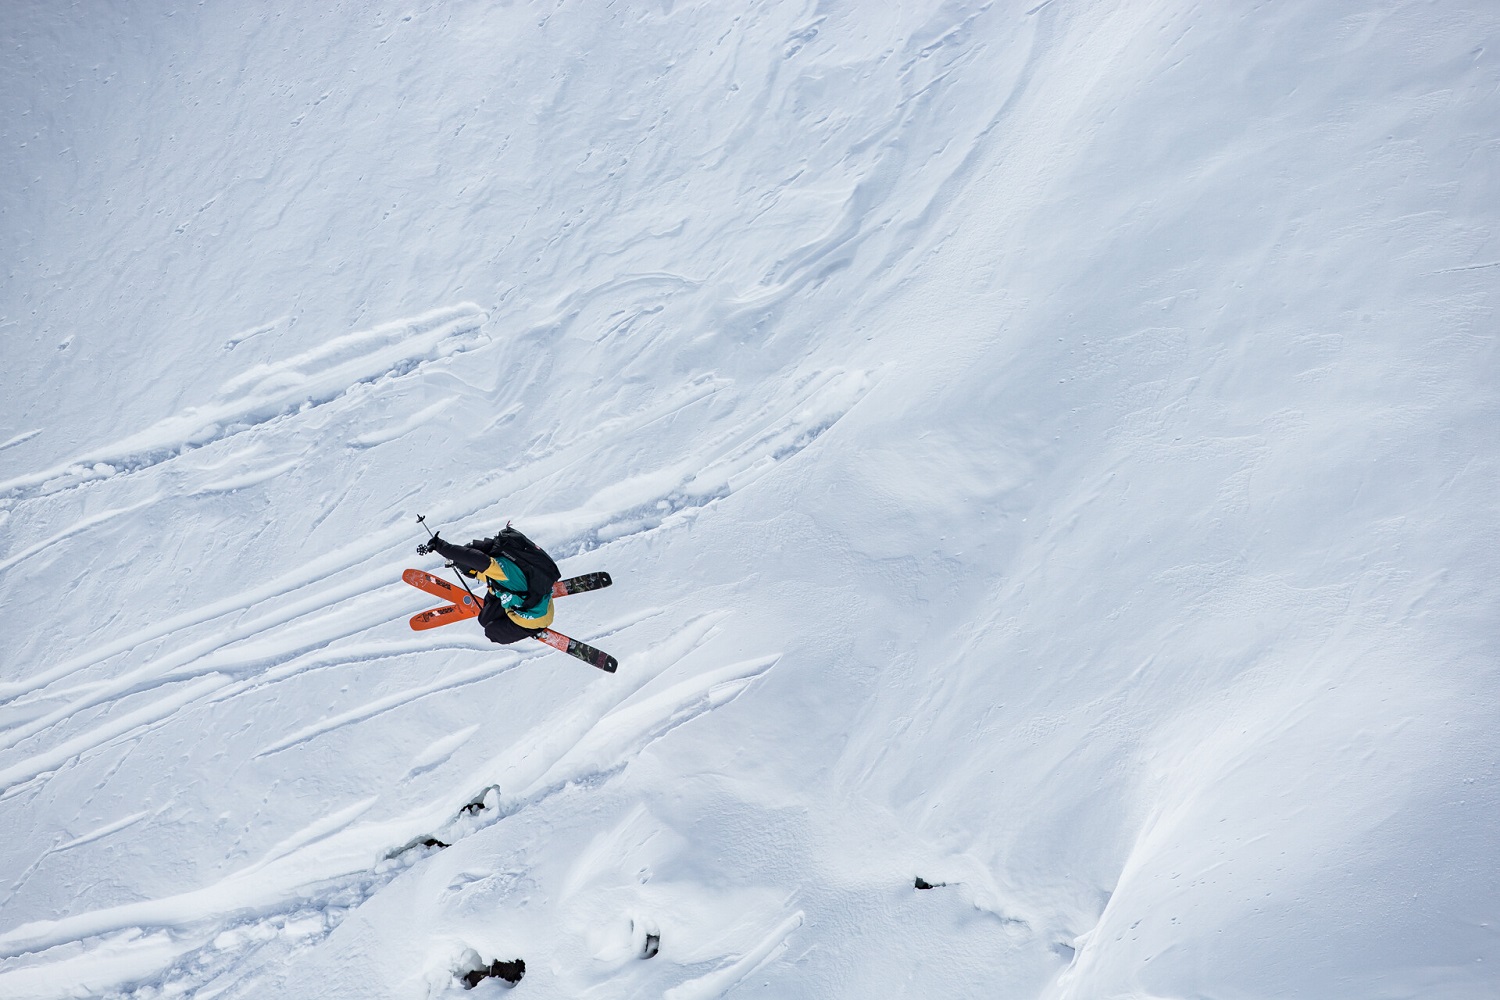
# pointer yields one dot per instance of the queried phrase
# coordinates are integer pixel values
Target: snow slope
(1046, 449)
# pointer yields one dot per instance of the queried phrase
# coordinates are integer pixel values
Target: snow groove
(731, 462)
(245, 656)
(721, 981)
(269, 391)
(305, 886)
(92, 521)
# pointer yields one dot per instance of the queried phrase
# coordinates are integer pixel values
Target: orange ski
(465, 605)
(438, 587)
(434, 617)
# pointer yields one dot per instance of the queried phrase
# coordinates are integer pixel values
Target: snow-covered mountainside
(1044, 451)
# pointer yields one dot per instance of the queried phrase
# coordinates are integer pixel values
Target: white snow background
(1047, 448)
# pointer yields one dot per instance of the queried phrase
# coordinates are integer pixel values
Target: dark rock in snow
(511, 972)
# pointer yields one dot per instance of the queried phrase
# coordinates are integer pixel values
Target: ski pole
(422, 520)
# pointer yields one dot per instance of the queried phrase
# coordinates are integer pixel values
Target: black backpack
(541, 572)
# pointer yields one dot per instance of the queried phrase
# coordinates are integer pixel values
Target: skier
(519, 576)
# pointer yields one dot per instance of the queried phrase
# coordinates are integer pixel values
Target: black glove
(435, 544)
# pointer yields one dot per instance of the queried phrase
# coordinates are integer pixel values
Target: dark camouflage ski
(580, 584)
(588, 654)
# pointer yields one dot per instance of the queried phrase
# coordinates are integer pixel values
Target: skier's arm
(461, 555)
(507, 574)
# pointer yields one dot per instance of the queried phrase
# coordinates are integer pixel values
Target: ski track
(21, 438)
(721, 981)
(729, 462)
(516, 657)
(74, 529)
(195, 660)
(400, 428)
(439, 752)
(382, 705)
(267, 392)
(312, 573)
(107, 830)
(210, 661)
(304, 886)
(246, 480)
(260, 660)
(726, 461)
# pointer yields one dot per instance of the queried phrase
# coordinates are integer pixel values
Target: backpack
(541, 572)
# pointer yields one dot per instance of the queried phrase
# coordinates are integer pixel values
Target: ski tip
(606, 579)
(609, 665)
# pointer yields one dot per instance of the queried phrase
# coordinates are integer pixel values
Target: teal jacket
(507, 584)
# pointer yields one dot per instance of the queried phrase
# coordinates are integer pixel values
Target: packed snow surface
(1043, 449)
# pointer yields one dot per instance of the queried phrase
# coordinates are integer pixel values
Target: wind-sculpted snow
(1043, 453)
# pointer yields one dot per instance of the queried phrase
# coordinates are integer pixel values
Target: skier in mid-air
(521, 581)
(518, 574)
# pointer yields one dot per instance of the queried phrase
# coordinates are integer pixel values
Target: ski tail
(581, 584)
(588, 654)
(434, 617)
